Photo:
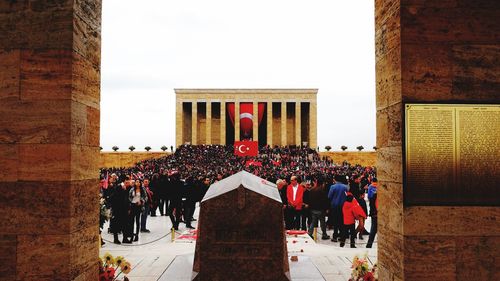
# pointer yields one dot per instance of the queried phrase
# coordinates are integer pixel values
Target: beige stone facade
(433, 52)
(49, 139)
(289, 116)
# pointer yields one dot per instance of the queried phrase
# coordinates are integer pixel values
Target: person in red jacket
(295, 194)
(351, 212)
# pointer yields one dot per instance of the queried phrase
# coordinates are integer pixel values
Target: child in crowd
(351, 212)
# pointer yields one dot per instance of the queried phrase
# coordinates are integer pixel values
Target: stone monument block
(241, 234)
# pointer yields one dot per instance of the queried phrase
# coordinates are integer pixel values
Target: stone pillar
(194, 123)
(255, 121)
(443, 51)
(49, 139)
(208, 133)
(283, 123)
(313, 125)
(236, 121)
(223, 122)
(269, 123)
(178, 123)
(298, 132)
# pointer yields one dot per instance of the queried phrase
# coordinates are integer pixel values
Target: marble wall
(433, 51)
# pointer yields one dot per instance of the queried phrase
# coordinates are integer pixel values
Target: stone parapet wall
(368, 158)
(126, 159)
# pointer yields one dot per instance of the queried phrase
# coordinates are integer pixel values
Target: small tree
(328, 148)
(147, 148)
(100, 148)
(375, 148)
(115, 148)
(360, 148)
(163, 148)
(172, 148)
(343, 147)
(132, 148)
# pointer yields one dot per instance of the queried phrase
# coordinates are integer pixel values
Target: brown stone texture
(8, 245)
(9, 76)
(49, 138)
(432, 51)
(477, 258)
(390, 253)
(368, 158)
(241, 236)
(127, 159)
(477, 221)
(429, 258)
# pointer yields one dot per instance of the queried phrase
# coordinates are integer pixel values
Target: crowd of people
(311, 188)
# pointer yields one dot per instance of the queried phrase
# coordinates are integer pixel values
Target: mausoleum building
(269, 116)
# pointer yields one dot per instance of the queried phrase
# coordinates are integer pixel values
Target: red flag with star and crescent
(246, 148)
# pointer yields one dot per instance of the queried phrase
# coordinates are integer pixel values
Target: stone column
(194, 123)
(49, 139)
(255, 121)
(236, 121)
(223, 122)
(448, 52)
(283, 123)
(208, 133)
(313, 125)
(270, 123)
(178, 123)
(298, 132)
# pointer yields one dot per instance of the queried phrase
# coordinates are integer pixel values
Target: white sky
(150, 47)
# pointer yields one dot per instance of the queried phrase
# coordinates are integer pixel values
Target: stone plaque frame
(451, 154)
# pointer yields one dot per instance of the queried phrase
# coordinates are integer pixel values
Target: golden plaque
(452, 154)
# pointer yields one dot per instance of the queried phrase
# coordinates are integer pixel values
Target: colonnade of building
(288, 117)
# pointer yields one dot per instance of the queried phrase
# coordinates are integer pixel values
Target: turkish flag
(253, 163)
(246, 117)
(246, 148)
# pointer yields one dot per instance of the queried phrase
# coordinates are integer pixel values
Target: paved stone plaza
(155, 252)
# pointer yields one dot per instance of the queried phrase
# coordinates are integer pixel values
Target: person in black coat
(282, 184)
(318, 202)
(154, 187)
(175, 195)
(205, 185)
(190, 202)
(163, 192)
(119, 209)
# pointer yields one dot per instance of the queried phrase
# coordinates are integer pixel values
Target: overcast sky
(151, 47)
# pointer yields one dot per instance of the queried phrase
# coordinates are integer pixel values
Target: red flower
(107, 275)
(369, 277)
(111, 272)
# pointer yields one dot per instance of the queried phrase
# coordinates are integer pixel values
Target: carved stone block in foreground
(241, 235)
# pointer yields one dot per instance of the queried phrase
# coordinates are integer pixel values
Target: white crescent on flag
(246, 115)
(241, 147)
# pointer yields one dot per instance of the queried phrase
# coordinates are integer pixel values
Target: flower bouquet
(361, 270)
(108, 266)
